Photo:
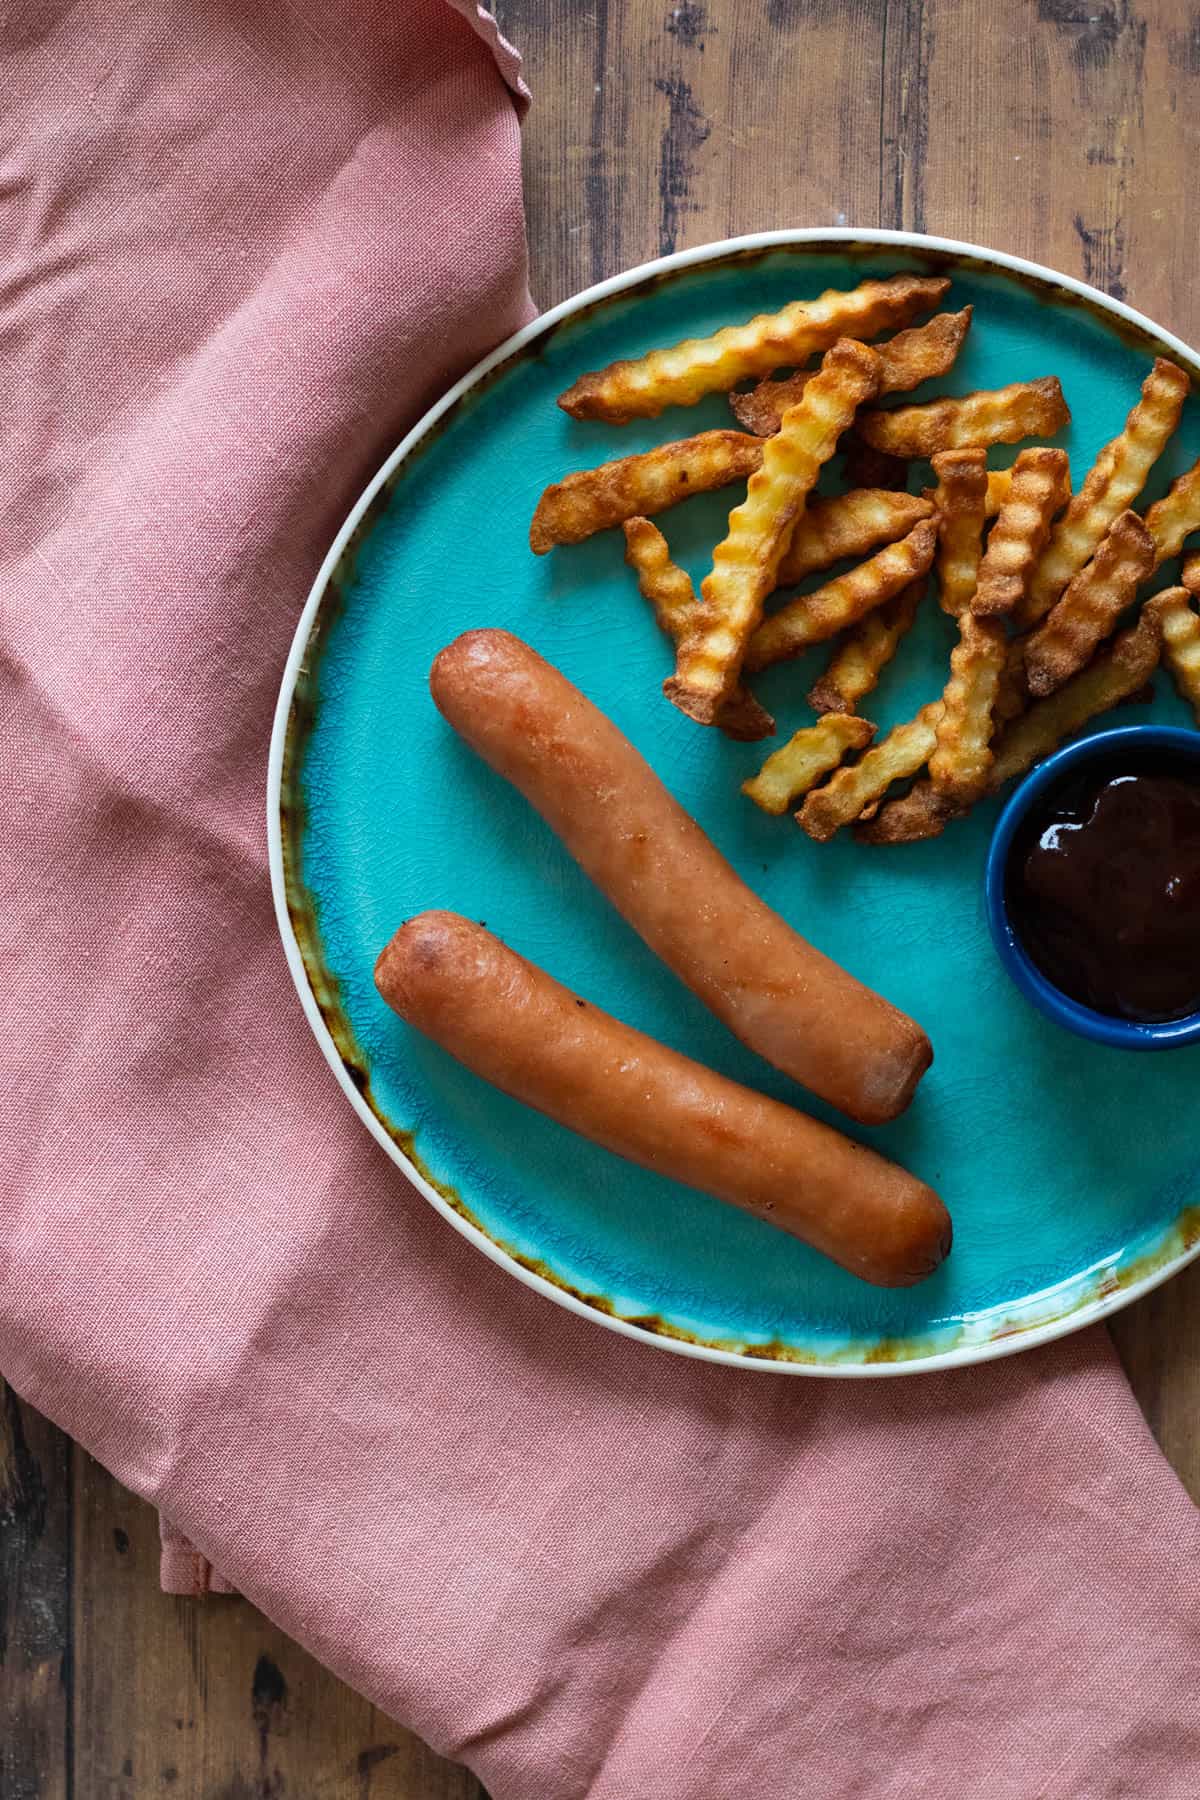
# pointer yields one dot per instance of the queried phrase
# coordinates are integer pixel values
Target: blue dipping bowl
(1126, 743)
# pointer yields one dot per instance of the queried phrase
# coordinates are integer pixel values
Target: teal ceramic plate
(1071, 1170)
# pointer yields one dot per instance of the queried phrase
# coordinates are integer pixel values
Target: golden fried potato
(924, 812)
(1025, 409)
(744, 718)
(1116, 674)
(816, 617)
(1176, 515)
(1181, 644)
(669, 590)
(962, 759)
(593, 499)
(642, 387)
(1012, 696)
(1040, 486)
(746, 563)
(924, 352)
(662, 582)
(761, 410)
(867, 468)
(799, 764)
(848, 525)
(960, 499)
(864, 653)
(1190, 575)
(1113, 483)
(1090, 607)
(907, 360)
(855, 786)
(999, 490)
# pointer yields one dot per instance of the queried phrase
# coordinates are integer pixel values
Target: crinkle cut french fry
(1004, 416)
(1012, 696)
(907, 360)
(1089, 609)
(761, 410)
(999, 490)
(1112, 484)
(815, 618)
(923, 352)
(744, 718)
(1181, 644)
(799, 764)
(746, 563)
(669, 590)
(960, 500)
(855, 786)
(962, 759)
(859, 660)
(592, 500)
(1040, 485)
(867, 468)
(661, 581)
(848, 525)
(1176, 515)
(642, 387)
(1117, 673)
(924, 812)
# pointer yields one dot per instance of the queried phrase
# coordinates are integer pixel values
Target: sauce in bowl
(1103, 888)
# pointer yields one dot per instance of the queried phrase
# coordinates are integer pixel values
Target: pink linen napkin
(247, 246)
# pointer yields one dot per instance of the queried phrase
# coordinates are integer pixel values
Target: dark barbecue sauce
(1104, 889)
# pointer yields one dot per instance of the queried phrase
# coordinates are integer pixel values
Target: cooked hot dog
(778, 994)
(520, 1029)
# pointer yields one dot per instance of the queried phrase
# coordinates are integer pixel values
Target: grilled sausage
(520, 1029)
(774, 991)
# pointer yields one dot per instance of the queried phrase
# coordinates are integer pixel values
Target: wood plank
(1057, 129)
(199, 1697)
(658, 125)
(35, 1606)
(569, 220)
(1156, 194)
(1157, 1341)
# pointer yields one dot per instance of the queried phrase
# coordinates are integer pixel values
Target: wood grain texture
(205, 1697)
(656, 126)
(1060, 129)
(35, 1606)
(1157, 1342)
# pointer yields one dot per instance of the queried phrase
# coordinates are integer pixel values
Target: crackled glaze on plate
(1070, 1169)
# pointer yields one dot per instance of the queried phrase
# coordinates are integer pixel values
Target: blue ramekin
(1131, 742)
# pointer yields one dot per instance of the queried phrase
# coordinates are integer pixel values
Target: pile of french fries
(1042, 586)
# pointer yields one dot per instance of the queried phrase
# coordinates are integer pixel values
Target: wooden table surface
(1061, 129)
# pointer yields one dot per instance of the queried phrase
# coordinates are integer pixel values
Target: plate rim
(1010, 1343)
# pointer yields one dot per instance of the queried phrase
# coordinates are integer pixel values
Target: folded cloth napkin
(247, 245)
